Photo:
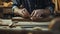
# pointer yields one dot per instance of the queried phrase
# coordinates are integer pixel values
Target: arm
(18, 10)
(16, 4)
(51, 6)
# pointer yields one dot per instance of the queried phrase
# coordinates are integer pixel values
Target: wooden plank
(32, 23)
(47, 19)
(7, 22)
(19, 28)
(22, 25)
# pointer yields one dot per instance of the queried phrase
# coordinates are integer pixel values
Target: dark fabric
(30, 5)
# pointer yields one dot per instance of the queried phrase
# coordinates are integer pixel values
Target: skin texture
(35, 15)
(22, 12)
(39, 14)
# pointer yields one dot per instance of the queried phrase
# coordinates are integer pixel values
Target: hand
(23, 12)
(39, 14)
(36, 14)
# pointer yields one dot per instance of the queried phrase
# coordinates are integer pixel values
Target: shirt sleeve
(51, 6)
(16, 3)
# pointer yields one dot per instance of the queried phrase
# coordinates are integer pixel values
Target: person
(31, 8)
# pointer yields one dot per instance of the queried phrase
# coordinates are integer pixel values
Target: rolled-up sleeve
(51, 6)
(16, 3)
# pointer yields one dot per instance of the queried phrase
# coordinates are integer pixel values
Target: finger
(38, 16)
(21, 13)
(32, 13)
(33, 18)
(35, 13)
(26, 13)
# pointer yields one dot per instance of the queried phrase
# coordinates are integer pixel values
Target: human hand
(39, 14)
(23, 12)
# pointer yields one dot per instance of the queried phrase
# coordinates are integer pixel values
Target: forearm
(16, 4)
(15, 8)
(51, 8)
(51, 5)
